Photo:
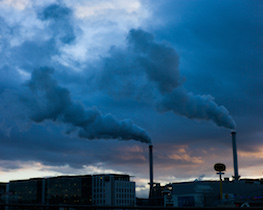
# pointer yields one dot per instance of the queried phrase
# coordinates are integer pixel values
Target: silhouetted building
(103, 189)
(157, 195)
(69, 190)
(2, 192)
(207, 193)
(113, 190)
(27, 191)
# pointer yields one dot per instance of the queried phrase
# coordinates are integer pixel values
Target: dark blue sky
(84, 87)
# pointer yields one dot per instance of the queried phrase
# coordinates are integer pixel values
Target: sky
(86, 86)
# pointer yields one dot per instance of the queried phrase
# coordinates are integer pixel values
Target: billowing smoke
(159, 63)
(49, 101)
(192, 106)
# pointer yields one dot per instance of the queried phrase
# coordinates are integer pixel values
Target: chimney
(151, 169)
(236, 176)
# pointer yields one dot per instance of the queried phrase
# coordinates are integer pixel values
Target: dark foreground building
(2, 192)
(27, 191)
(101, 190)
(207, 193)
(69, 190)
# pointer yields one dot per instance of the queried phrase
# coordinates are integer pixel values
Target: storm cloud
(179, 71)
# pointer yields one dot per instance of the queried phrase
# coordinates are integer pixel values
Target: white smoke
(159, 63)
(49, 101)
(200, 107)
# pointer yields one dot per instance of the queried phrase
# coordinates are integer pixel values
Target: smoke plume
(49, 101)
(200, 107)
(159, 63)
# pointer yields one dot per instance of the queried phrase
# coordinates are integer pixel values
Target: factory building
(207, 193)
(238, 192)
(113, 190)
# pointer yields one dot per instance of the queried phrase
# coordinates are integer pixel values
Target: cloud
(179, 155)
(17, 4)
(60, 22)
(149, 62)
(95, 8)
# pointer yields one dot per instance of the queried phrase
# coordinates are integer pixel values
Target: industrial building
(237, 192)
(207, 193)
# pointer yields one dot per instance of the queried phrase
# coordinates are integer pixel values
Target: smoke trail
(160, 63)
(196, 107)
(49, 101)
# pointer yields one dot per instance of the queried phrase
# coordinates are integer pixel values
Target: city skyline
(85, 87)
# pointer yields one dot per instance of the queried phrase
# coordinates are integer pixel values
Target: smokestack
(151, 169)
(236, 176)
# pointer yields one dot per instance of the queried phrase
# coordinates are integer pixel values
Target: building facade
(101, 190)
(207, 193)
(3, 192)
(27, 191)
(113, 190)
(69, 190)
